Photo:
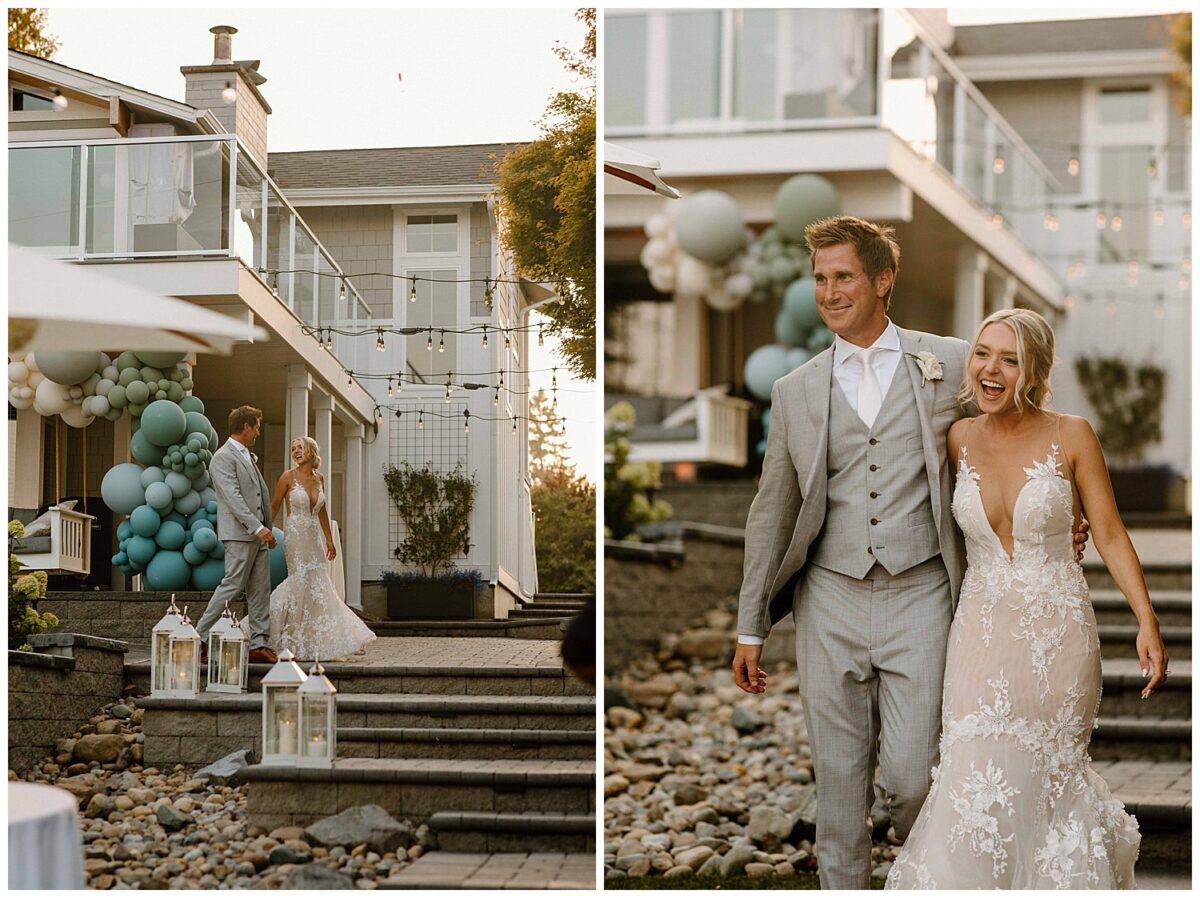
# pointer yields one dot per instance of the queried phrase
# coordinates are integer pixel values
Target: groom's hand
(1081, 537)
(746, 673)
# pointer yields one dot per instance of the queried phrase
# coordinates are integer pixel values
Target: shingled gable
(387, 167)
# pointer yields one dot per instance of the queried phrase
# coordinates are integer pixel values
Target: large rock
(316, 876)
(694, 857)
(744, 720)
(122, 783)
(769, 825)
(735, 861)
(704, 644)
(94, 747)
(83, 787)
(171, 819)
(370, 824)
(222, 772)
(100, 806)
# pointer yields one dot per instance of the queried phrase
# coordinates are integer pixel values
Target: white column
(969, 291)
(323, 433)
(353, 514)
(27, 455)
(299, 382)
(122, 433)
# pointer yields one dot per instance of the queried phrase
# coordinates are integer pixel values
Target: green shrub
(24, 589)
(436, 509)
(565, 507)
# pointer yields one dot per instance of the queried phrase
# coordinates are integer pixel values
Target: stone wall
(55, 689)
(121, 615)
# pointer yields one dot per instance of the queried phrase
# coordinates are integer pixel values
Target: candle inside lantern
(287, 737)
(316, 745)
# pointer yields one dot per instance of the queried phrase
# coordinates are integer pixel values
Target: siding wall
(360, 239)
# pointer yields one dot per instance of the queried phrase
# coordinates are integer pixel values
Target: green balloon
(191, 403)
(151, 375)
(800, 304)
(136, 410)
(175, 393)
(117, 397)
(175, 375)
(142, 448)
(127, 376)
(138, 392)
(802, 200)
(186, 383)
(127, 359)
(161, 359)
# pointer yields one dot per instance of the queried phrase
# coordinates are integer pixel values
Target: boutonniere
(931, 368)
(255, 457)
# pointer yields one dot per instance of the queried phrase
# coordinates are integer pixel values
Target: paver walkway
(520, 870)
(1153, 546)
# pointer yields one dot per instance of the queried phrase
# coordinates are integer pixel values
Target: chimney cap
(222, 29)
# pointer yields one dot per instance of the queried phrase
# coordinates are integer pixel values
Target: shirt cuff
(746, 639)
(261, 530)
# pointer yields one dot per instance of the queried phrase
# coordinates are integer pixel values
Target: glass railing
(178, 197)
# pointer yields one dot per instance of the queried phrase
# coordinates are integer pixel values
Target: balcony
(178, 198)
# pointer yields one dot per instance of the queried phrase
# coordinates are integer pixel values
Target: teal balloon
(765, 366)
(124, 530)
(128, 359)
(117, 397)
(145, 521)
(191, 404)
(277, 559)
(196, 423)
(800, 303)
(179, 485)
(168, 570)
(177, 518)
(193, 442)
(211, 506)
(218, 550)
(205, 539)
(135, 567)
(170, 535)
(801, 200)
(782, 270)
(161, 359)
(120, 559)
(158, 497)
(202, 485)
(151, 475)
(192, 472)
(144, 450)
(68, 367)
(138, 393)
(175, 392)
(121, 488)
(189, 503)
(787, 331)
(164, 422)
(140, 550)
(709, 226)
(208, 575)
(198, 523)
(124, 544)
(192, 554)
(797, 357)
(820, 339)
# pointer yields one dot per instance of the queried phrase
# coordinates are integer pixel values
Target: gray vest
(878, 506)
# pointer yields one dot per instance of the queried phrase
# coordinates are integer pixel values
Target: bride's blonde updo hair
(312, 452)
(1035, 357)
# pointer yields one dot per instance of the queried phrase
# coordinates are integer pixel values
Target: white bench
(70, 549)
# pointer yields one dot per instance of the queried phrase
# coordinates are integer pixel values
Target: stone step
(399, 679)
(1173, 606)
(565, 607)
(490, 831)
(416, 788)
(1120, 641)
(498, 629)
(195, 732)
(531, 612)
(1123, 684)
(1141, 739)
(1159, 576)
(581, 597)
(480, 870)
(471, 742)
(1159, 794)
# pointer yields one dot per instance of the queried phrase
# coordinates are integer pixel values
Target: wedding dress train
(1015, 803)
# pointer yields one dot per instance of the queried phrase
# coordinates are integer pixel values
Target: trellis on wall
(436, 438)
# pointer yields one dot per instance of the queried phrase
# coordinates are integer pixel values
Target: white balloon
(31, 363)
(25, 393)
(36, 378)
(75, 392)
(658, 226)
(103, 386)
(89, 385)
(100, 406)
(19, 402)
(75, 417)
(17, 373)
(739, 285)
(722, 301)
(655, 253)
(692, 277)
(52, 397)
(662, 278)
(110, 372)
(105, 361)
(41, 411)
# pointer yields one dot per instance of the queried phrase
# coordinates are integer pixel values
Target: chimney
(229, 89)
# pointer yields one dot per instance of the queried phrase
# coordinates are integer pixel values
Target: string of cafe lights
(489, 283)
(324, 333)
(1155, 152)
(1071, 302)
(451, 385)
(466, 417)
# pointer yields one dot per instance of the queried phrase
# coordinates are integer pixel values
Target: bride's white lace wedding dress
(1014, 802)
(307, 616)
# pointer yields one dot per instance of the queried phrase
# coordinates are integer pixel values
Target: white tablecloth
(45, 847)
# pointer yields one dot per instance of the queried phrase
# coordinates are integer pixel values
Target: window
(432, 233)
(624, 70)
(24, 101)
(436, 307)
(695, 66)
(1124, 105)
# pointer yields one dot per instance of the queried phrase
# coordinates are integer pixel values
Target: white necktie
(869, 398)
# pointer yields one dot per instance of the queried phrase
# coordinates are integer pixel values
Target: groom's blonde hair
(311, 450)
(1035, 357)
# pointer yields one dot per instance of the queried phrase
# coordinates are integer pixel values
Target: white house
(186, 199)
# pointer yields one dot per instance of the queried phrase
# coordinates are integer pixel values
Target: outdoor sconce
(318, 719)
(183, 660)
(281, 711)
(228, 655)
(160, 650)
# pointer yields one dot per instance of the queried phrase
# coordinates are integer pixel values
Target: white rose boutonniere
(931, 368)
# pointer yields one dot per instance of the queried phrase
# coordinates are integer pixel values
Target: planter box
(1142, 487)
(430, 601)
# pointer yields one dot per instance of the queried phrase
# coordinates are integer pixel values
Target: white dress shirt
(848, 372)
(245, 450)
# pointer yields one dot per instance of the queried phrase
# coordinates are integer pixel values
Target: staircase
(551, 605)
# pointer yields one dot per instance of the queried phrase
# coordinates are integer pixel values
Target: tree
(1181, 43)
(547, 439)
(26, 35)
(565, 536)
(547, 196)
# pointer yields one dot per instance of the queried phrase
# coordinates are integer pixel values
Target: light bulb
(442, 342)
(1101, 221)
(1158, 217)
(1160, 311)
(229, 94)
(389, 388)
(1152, 168)
(1111, 308)
(485, 340)
(1116, 223)
(997, 219)
(998, 165)
(496, 398)
(466, 420)
(379, 344)
(342, 291)
(540, 340)
(1073, 166)
(1069, 303)
(429, 342)
(1050, 222)
(412, 297)
(60, 102)
(1186, 220)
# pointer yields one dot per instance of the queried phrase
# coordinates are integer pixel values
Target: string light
(487, 294)
(496, 398)
(349, 379)
(412, 296)
(1073, 163)
(1159, 217)
(1152, 168)
(998, 165)
(1160, 309)
(1186, 220)
(420, 420)
(442, 342)
(229, 94)
(466, 420)
(540, 339)
(379, 344)
(997, 220)
(1111, 308)
(514, 423)
(275, 285)
(1101, 221)
(60, 102)
(1069, 303)
(429, 342)
(1116, 223)
(485, 342)
(389, 392)
(1186, 266)
(1050, 221)
(449, 389)
(342, 291)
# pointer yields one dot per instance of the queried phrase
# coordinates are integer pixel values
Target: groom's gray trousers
(247, 570)
(871, 655)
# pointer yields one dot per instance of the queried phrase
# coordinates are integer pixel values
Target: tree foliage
(547, 198)
(1181, 43)
(628, 486)
(26, 32)
(1128, 401)
(547, 439)
(565, 536)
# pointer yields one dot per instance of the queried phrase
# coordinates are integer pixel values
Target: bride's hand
(1153, 657)
(331, 553)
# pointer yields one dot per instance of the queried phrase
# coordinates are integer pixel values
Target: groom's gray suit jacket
(789, 510)
(243, 498)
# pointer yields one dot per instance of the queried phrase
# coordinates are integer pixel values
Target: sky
(378, 78)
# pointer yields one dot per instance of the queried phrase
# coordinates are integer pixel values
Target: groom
(244, 528)
(851, 531)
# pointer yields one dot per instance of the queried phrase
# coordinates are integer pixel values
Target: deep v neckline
(1051, 462)
(312, 503)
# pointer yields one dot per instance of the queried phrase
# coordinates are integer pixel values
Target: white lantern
(228, 655)
(318, 719)
(183, 660)
(281, 711)
(159, 650)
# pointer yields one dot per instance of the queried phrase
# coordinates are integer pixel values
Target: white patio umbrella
(63, 306)
(626, 171)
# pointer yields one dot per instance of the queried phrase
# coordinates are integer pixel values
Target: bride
(308, 617)
(1014, 802)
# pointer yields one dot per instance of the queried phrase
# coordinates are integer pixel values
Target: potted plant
(436, 509)
(1128, 402)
